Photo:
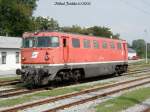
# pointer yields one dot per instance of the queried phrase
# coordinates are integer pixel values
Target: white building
(131, 53)
(9, 54)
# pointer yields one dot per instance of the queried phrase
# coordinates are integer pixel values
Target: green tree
(100, 31)
(139, 46)
(43, 24)
(15, 16)
(148, 50)
(129, 45)
(116, 36)
(72, 29)
(95, 31)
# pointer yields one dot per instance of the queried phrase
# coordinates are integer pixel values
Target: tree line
(16, 17)
(139, 46)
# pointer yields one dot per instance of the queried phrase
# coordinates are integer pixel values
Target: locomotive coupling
(19, 71)
(34, 76)
(33, 71)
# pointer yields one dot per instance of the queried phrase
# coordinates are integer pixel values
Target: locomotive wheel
(63, 75)
(118, 71)
(73, 75)
(76, 75)
(125, 68)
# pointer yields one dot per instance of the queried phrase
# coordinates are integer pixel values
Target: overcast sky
(129, 18)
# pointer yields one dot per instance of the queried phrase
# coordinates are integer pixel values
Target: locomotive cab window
(28, 42)
(41, 42)
(104, 44)
(95, 44)
(86, 43)
(47, 42)
(112, 45)
(119, 46)
(75, 43)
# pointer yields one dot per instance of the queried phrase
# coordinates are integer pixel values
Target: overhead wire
(135, 7)
(145, 2)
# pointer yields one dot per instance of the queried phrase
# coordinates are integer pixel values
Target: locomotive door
(65, 41)
(125, 51)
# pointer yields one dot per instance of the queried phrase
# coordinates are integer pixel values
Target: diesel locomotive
(49, 56)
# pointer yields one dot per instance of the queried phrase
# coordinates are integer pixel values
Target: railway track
(131, 67)
(18, 91)
(92, 94)
(21, 91)
(147, 110)
(130, 72)
(138, 65)
(10, 82)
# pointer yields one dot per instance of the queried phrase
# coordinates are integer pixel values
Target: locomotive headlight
(23, 59)
(46, 56)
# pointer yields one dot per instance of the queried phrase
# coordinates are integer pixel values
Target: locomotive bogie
(45, 74)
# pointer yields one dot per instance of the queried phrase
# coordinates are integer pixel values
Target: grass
(140, 62)
(124, 101)
(9, 78)
(41, 95)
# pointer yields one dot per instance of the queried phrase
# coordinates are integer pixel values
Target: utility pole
(146, 60)
(146, 53)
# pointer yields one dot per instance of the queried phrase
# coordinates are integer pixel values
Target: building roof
(10, 42)
(130, 50)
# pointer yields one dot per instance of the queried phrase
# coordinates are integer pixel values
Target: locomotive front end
(39, 54)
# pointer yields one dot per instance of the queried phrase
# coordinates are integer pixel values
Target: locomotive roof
(66, 34)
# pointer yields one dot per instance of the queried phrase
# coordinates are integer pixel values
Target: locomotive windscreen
(29, 42)
(47, 42)
(41, 42)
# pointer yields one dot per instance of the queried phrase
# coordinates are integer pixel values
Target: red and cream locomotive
(48, 56)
